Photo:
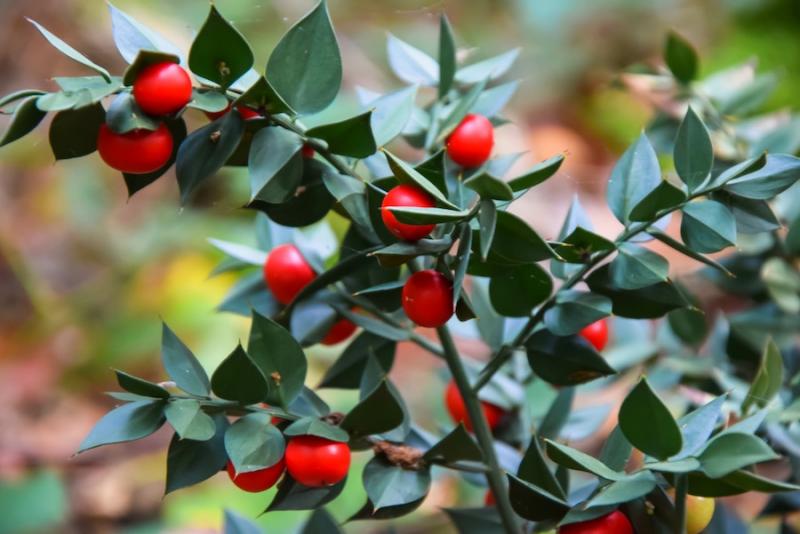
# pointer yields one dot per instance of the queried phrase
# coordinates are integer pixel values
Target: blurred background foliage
(86, 274)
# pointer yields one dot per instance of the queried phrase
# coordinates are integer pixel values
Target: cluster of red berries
(310, 460)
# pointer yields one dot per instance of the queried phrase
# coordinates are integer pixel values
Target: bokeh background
(86, 275)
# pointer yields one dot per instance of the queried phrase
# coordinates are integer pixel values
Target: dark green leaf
(347, 370)
(70, 52)
(238, 378)
(783, 284)
(731, 451)
(460, 110)
(564, 361)
(253, 443)
(310, 203)
(740, 169)
(368, 511)
(574, 310)
(684, 465)
(262, 96)
(683, 249)
(698, 425)
(708, 226)
(407, 174)
(145, 58)
(206, 150)
(647, 423)
(487, 186)
(634, 176)
(391, 113)
(275, 164)
(73, 132)
(537, 174)
(306, 67)
(664, 197)
(518, 289)
(140, 386)
(280, 358)
(350, 137)
(26, 117)
(534, 469)
(190, 462)
(777, 175)
(487, 222)
(636, 267)
(577, 460)
(313, 426)
(752, 216)
(129, 422)
(689, 325)
(19, 95)
(181, 365)
(208, 100)
(461, 260)
(476, 520)
(515, 242)
(534, 503)
(693, 154)
(389, 485)
(376, 413)
(681, 58)
(456, 446)
(646, 303)
(189, 420)
(321, 522)
(447, 55)
(625, 490)
(428, 215)
(124, 115)
(616, 450)
(294, 496)
(557, 414)
(237, 524)
(375, 326)
(768, 379)
(219, 52)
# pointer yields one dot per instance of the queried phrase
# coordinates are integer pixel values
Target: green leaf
(534, 470)
(389, 485)
(321, 522)
(456, 446)
(475, 520)
(181, 365)
(275, 164)
(646, 303)
(537, 174)
(129, 422)
(460, 110)
(206, 150)
(190, 462)
(131, 36)
(515, 242)
(306, 66)
(731, 451)
(219, 52)
(294, 496)
(516, 290)
(408, 175)
(124, 115)
(391, 113)
(428, 215)
(73, 132)
(681, 58)
(534, 503)
(752, 216)
(309, 204)
(647, 423)
(347, 370)
(253, 443)
(376, 413)
(564, 361)
(625, 490)
(350, 137)
(237, 524)
(487, 222)
(708, 226)
(664, 197)
(189, 420)
(280, 358)
(636, 267)
(238, 378)
(783, 284)
(777, 175)
(462, 260)
(262, 96)
(313, 426)
(768, 380)
(634, 176)
(145, 58)
(208, 100)
(492, 101)
(411, 64)
(557, 414)
(375, 326)
(684, 465)
(487, 186)
(574, 310)
(447, 55)
(140, 386)
(26, 117)
(698, 425)
(580, 461)
(793, 238)
(70, 52)
(694, 156)
(16, 96)
(616, 450)
(683, 249)
(488, 69)
(740, 169)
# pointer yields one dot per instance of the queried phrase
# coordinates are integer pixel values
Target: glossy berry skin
(162, 89)
(316, 462)
(308, 152)
(244, 111)
(458, 412)
(699, 511)
(488, 499)
(135, 152)
(341, 330)
(614, 523)
(471, 143)
(287, 272)
(428, 298)
(406, 196)
(256, 481)
(596, 334)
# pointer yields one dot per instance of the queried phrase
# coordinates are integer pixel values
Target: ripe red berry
(458, 410)
(135, 152)
(470, 144)
(244, 111)
(614, 523)
(488, 499)
(255, 481)
(314, 461)
(287, 272)
(341, 330)
(428, 298)
(596, 334)
(406, 196)
(162, 88)
(308, 152)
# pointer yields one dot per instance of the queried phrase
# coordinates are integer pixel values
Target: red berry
(287, 272)
(614, 523)
(314, 461)
(255, 481)
(135, 152)
(458, 410)
(244, 111)
(470, 144)
(488, 499)
(596, 334)
(308, 152)
(341, 330)
(428, 298)
(406, 196)
(162, 88)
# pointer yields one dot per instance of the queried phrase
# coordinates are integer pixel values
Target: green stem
(494, 475)
(681, 490)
